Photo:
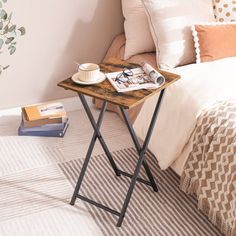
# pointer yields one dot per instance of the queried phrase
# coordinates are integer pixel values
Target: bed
(195, 133)
(201, 84)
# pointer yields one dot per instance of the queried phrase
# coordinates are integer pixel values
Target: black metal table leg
(141, 159)
(99, 136)
(88, 155)
(138, 148)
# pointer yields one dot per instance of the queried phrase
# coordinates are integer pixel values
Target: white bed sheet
(200, 85)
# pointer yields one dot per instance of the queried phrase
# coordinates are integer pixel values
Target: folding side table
(105, 92)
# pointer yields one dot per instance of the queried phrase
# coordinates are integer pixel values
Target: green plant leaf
(5, 29)
(9, 17)
(22, 30)
(12, 50)
(3, 14)
(9, 40)
(8, 33)
(1, 43)
(12, 28)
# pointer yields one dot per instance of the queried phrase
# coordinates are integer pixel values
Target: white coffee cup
(88, 72)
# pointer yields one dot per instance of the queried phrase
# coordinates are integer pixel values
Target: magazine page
(144, 77)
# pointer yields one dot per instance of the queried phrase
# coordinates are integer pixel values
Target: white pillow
(170, 23)
(137, 32)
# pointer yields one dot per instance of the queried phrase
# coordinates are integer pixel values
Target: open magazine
(144, 77)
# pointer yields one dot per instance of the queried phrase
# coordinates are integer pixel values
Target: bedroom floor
(37, 174)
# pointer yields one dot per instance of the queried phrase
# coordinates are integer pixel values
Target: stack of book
(49, 120)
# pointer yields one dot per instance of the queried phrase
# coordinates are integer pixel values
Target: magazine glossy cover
(144, 77)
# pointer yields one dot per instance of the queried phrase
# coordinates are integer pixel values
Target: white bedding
(200, 85)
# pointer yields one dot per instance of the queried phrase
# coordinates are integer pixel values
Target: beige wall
(58, 32)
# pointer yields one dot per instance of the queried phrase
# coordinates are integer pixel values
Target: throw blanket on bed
(210, 172)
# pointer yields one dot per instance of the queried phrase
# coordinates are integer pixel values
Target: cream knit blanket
(210, 172)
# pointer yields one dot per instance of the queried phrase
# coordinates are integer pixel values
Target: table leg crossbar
(105, 208)
(140, 150)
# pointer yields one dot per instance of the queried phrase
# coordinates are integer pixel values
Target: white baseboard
(71, 104)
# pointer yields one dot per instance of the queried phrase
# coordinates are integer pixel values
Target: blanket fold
(210, 172)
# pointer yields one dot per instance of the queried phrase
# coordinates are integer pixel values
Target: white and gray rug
(37, 177)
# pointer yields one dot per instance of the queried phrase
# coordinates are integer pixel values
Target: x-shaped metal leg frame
(141, 152)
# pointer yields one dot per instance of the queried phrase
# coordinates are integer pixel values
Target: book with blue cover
(48, 130)
(46, 127)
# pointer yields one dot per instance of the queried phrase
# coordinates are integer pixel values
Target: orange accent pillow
(214, 41)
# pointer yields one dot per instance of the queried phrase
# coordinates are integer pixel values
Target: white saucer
(75, 78)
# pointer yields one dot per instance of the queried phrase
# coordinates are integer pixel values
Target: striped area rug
(166, 213)
(37, 177)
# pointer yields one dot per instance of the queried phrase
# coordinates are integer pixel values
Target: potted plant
(9, 32)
